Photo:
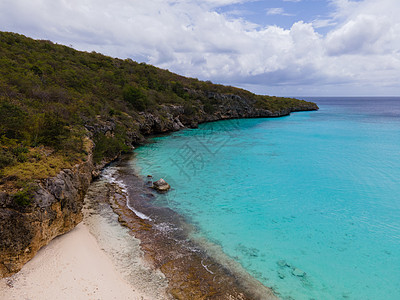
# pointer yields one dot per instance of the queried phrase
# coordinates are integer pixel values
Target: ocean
(308, 204)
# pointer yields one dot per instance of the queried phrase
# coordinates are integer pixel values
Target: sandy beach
(72, 266)
(98, 259)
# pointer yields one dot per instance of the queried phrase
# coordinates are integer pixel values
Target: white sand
(72, 266)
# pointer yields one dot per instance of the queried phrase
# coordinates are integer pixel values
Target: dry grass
(41, 163)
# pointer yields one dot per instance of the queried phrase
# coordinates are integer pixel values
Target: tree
(12, 121)
(135, 97)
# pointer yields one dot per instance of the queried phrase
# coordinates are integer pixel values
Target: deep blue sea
(308, 204)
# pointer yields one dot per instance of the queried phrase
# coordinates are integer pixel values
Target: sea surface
(309, 204)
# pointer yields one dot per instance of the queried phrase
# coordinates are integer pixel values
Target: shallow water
(308, 204)
(116, 240)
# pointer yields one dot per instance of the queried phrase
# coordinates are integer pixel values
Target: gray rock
(161, 185)
(299, 273)
(281, 263)
(281, 275)
(54, 210)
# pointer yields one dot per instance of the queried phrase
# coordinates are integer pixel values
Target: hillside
(64, 113)
(50, 92)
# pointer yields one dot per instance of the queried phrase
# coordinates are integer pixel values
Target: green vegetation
(273, 103)
(24, 196)
(110, 146)
(49, 93)
(136, 97)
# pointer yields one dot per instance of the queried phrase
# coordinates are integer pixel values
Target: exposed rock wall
(55, 209)
(174, 117)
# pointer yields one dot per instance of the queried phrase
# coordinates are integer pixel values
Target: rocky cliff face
(174, 117)
(55, 209)
(57, 202)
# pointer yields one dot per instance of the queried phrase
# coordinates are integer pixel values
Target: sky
(275, 47)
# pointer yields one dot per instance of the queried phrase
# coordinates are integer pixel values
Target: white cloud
(218, 3)
(275, 11)
(361, 35)
(189, 37)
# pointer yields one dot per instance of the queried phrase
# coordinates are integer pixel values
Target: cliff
(64, 114)
(55, 209)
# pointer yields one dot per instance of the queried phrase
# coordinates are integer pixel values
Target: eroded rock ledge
(55, 209)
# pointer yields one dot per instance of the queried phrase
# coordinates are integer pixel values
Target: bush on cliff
(136, 97)
(110, 146)
(23, 197)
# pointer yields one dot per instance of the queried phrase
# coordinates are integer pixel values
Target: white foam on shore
(205, 267)
(138, 213)
(165, 227)
(118, 243)
(109, 175)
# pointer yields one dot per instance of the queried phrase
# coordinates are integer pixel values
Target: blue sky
(275, 47)
(278, 12)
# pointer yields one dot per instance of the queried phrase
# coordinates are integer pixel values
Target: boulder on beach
(161, 185)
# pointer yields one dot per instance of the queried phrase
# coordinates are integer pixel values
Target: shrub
(12, 121)
(109, 146)
(135, 97)
(24, 197)
(53, 131)
(188, 109)
(6, 158)
(32, 169)
(208, 107)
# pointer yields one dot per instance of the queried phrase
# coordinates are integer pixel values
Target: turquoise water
(309, 204)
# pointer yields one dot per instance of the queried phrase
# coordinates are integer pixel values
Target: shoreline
(233, 281)
(114, 254)
(195, 269)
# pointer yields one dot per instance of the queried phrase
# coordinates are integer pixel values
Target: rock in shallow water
(161, 185)
(299, 273)
(281, 275)
(282, 263)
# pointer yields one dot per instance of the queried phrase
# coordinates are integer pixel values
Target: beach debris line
(161, 186)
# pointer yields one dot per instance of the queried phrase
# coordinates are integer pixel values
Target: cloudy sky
(276, 47)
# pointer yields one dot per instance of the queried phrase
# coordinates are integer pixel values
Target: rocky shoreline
(191, 271)
(56, 205)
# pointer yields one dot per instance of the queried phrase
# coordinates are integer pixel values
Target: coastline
(195, 269)
(114, 254)
(47, 171)
(232, 281)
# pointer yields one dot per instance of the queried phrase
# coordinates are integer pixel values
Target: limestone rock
(281, 275)
(299, 273)
(161, 185)
(282, 263)
(55, 209)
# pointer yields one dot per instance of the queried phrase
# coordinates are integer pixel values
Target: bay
(308, 204)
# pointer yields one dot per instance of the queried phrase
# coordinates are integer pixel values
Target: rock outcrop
(161, 186)
(174, 117)
(54, 209)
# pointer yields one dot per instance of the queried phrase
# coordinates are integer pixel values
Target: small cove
(307, 204)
